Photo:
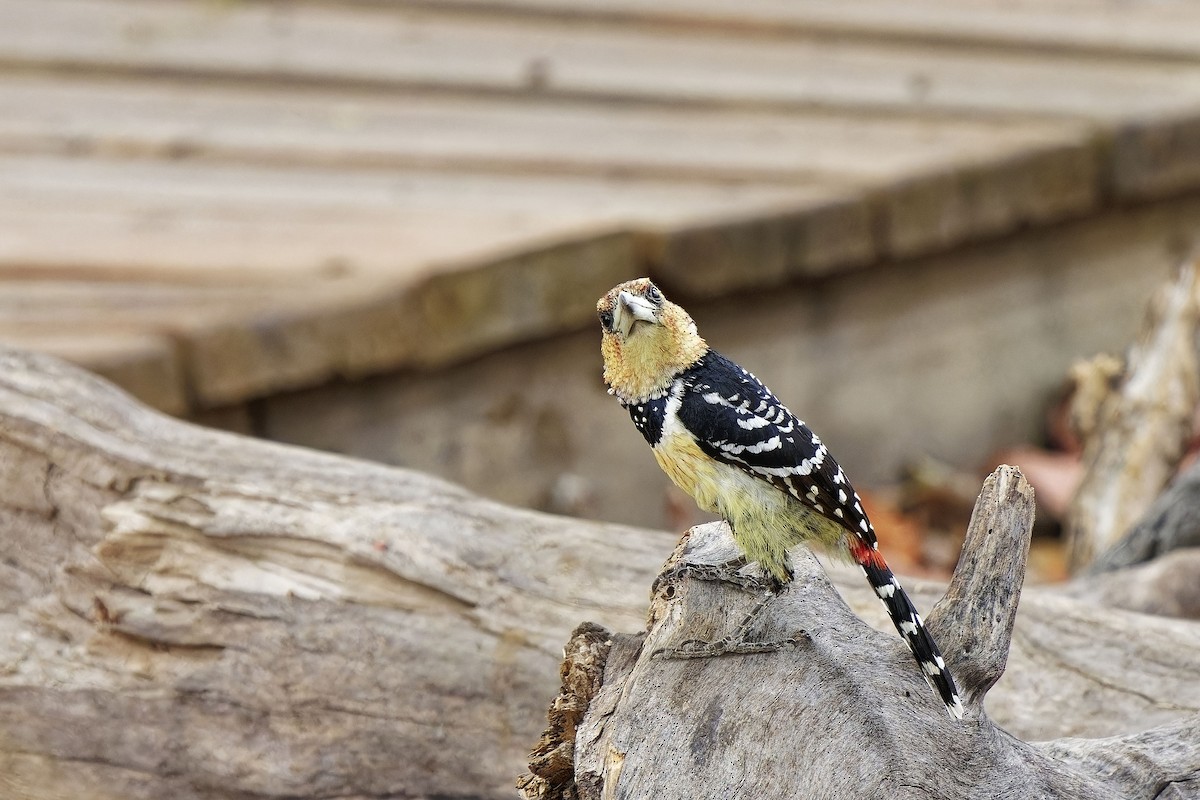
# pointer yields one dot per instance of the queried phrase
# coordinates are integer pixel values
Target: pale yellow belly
(765, 520)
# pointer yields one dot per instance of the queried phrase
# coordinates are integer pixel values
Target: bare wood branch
(1143, 426)
(973, 622)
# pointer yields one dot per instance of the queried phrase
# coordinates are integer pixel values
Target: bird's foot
(728, 572)
(735, 644)
(729, 646)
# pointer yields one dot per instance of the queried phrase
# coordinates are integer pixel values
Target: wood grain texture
(176, 624)
(423, 48)
(974, 621)
(1160, 30)
(1172, 522)
(147, 116)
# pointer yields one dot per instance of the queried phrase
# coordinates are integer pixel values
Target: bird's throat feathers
(645, 363)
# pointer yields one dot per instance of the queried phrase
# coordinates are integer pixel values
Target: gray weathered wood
(974, 622)
(186, 613)
(1133, 763)
(843, 713)
(1167, 585)
(1143, 426)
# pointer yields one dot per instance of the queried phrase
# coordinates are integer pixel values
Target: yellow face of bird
(647, 340)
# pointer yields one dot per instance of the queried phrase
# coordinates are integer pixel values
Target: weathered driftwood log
(190, 614)
(842, 713)
(1142, 427)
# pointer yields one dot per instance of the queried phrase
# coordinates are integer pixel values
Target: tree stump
(844, 713)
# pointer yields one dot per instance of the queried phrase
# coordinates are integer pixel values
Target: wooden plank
(133, 333)
(227, 343)
(221, 222)
(316, 273)
(352, 328)
(382, 47)
(261, 125)
(145, 365)
(932, 182)
(464, 156)
(313, 273)
(1169, 30)
(49, 306)
(200, 221)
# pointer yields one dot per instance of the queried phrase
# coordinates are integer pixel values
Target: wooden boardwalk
(209, 201)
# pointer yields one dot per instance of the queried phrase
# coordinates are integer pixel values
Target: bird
(723, 437)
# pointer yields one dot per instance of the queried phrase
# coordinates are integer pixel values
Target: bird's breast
(689, 468)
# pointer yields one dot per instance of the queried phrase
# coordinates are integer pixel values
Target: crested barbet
(724, 438)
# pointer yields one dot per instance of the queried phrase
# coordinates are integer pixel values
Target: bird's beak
(631, 310)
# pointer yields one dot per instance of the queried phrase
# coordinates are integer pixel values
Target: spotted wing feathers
(738, 421)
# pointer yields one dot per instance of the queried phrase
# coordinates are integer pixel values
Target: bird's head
(646, 340)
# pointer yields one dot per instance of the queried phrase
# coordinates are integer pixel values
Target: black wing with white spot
(737, 420)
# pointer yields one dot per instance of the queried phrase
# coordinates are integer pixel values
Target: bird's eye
(653, 294)
(606, 319)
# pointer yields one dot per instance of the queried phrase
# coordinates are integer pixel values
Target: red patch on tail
(866, 555)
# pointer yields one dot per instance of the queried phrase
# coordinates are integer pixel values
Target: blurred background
(380, 227)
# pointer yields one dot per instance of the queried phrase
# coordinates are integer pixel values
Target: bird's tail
(908, 622)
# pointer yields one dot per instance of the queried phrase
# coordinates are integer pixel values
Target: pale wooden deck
(211, 201)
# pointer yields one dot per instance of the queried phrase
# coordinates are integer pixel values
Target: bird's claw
(729, 646)
(729, 572)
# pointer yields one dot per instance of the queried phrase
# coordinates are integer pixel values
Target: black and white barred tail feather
(909, 624)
